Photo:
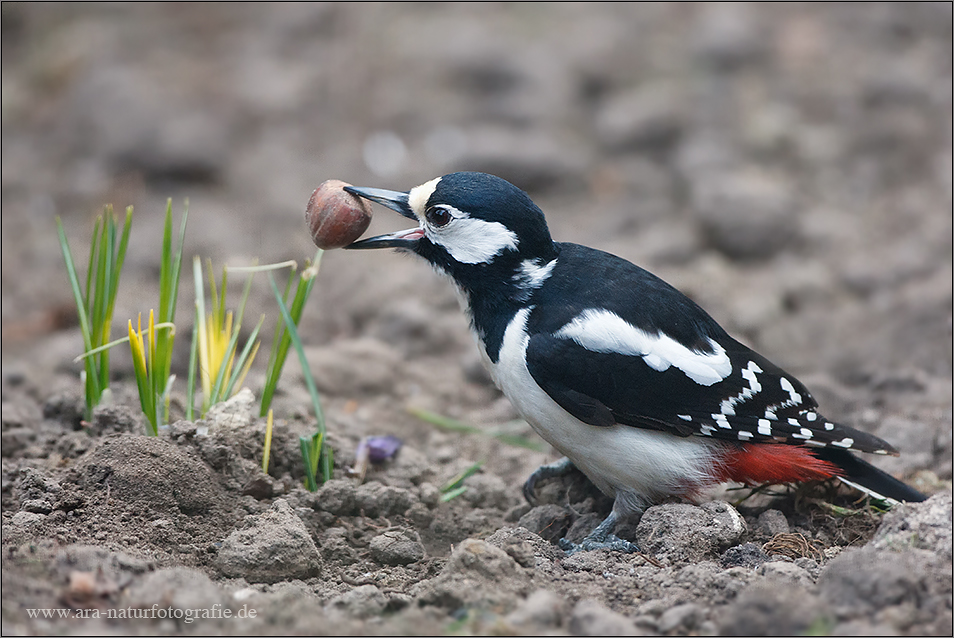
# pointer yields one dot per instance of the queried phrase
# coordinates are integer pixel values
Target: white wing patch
(606, 332)
(471, 240)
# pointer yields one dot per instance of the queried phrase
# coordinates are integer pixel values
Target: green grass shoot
(315, 452)
(499, 433)
(143, 346)
(303, 284)
(455, 487)
(267, 448)
(170, 267)
(96, 303)
(221, 372)
(152, 351)
(311, 453)
(193, 366)
(149, 375)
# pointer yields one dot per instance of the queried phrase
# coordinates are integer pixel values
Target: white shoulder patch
(606, 332)
(471, 240)
(531, 274)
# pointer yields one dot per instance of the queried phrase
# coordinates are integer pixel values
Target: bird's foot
(601, 538)
(557, 468)
(611, 542)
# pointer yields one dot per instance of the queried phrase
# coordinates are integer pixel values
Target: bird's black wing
(606, 388)
(613, 344)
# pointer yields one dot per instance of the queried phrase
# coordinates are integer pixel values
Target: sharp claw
(557, 468)
(528, 492)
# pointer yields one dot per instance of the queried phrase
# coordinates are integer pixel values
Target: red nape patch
(774, 463)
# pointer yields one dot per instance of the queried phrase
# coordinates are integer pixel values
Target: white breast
(636, 465)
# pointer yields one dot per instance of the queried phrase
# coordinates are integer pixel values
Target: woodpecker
(634, 383)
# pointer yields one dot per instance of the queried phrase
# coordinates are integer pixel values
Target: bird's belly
(636, 464)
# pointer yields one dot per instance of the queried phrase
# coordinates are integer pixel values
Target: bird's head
(479, 229)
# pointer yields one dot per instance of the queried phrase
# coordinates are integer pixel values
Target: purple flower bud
(382, 448)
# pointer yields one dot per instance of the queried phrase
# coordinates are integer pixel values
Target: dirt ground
(787, 166)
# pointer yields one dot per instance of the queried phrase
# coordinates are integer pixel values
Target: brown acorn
(335, 217)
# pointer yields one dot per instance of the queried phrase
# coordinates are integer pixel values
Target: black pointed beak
(392, 199)
(398, 202)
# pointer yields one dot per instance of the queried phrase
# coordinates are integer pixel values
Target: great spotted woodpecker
(627, 377)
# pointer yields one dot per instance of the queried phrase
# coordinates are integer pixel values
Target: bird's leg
(557, 468)
(600, 538)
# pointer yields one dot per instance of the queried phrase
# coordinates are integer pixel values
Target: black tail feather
(860, 473)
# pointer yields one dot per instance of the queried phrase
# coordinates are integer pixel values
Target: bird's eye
(437, 217)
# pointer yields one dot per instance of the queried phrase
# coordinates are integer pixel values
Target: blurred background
(787, 165)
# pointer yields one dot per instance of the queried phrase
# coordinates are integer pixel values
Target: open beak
(398, 202)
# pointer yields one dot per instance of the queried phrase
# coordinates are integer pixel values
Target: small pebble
(397, 547)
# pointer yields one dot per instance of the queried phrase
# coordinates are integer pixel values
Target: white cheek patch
(606, 332)
(470, 240)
